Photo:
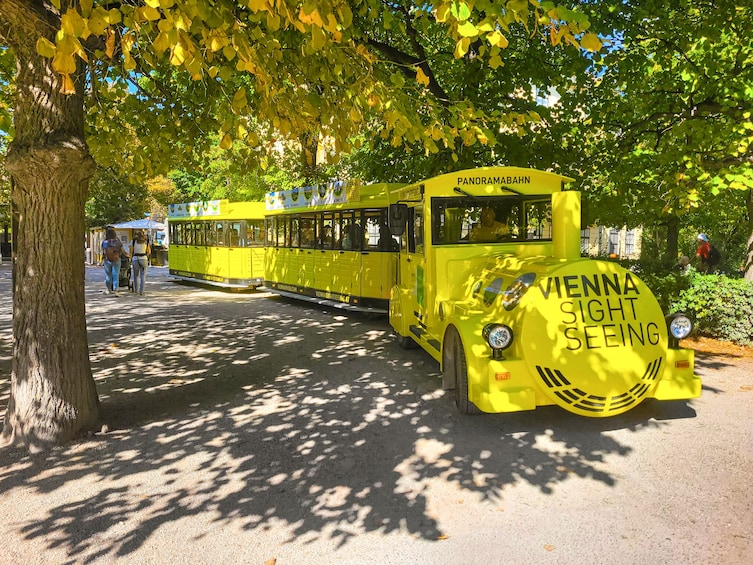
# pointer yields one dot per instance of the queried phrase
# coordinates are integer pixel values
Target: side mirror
(398, 216)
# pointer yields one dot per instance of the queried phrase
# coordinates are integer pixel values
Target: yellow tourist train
(481, 268)
(491, 283)
(332, 244)
(218, 242)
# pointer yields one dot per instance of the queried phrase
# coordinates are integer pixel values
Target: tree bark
(53, 397)
(748, 267)
(673, 235)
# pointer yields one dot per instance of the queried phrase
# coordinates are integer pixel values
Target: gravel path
(244, 428)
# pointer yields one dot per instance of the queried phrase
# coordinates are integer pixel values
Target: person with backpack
(708, 255)
(112, 251)
(140, 260)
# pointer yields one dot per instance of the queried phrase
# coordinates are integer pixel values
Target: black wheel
(406, 342)
(455, 371)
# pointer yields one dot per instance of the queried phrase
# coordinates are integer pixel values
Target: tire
(455, 371)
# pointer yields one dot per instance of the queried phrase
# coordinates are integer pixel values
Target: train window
(217, 233)
(233, 236)
(538, 219)
(459, 220)
(416, 230)
(326, 233)
(295, 232)
(176, 233)
(271, 232)
(308, 233)
(254, 230)
(351, 231)
(281, 225)
(372, 220)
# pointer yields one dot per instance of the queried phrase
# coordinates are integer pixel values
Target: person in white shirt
(139, 260)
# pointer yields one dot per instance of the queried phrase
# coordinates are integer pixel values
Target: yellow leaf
(461, 47)
(86, 7)
(318, 38)
(67, 86)
(227, 141)
(467, 29)
(273, 21)
(113, 16)
(258, 5)
(98, 21)
(147, 13)
(591, 42)
(421, 77)
(110, 43)
(161, 42)
(239, 100)
(312, 19)
(45, 47)
(64, 63)
(72, 23)
(442, 13)
(497, 39)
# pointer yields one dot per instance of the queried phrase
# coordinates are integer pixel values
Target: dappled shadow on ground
(222, 406)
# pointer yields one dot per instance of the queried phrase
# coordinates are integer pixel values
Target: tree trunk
(748, 267)
(53, 397)
(673, 235)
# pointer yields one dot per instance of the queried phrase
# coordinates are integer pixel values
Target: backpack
(714, 256)
(112, 250)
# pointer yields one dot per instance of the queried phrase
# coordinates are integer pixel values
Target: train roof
(491, 181)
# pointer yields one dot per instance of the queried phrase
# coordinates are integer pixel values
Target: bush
(722, 307)
(667, 287)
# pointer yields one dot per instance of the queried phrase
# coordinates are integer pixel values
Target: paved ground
(243, 428)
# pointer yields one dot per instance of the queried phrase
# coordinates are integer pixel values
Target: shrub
(722, 307)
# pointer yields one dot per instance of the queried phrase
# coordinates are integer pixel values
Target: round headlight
(679, 326)
(498, 336)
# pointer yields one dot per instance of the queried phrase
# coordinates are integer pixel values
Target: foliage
(259, 71)
(664, 123)
(722, 307)
(666, 286)
(113, 199)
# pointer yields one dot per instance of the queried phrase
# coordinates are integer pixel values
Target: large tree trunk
(748, 267)
(53, 397)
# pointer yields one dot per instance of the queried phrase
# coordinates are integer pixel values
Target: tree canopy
(663, 124)
(147, 86)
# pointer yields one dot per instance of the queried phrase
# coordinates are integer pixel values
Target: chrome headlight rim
(679, 325)
(498, 336)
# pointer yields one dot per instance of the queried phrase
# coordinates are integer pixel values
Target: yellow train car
(218, 242)
(331, 244)
(490, 282)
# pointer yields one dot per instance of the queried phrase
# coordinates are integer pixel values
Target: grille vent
(575, 399)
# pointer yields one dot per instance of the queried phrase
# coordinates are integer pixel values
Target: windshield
(467, 220)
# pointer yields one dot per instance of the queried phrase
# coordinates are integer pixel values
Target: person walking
(112, 251)
(140, 260)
